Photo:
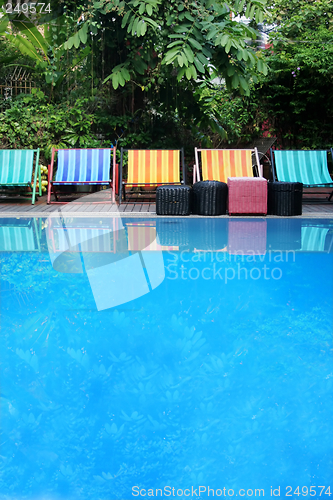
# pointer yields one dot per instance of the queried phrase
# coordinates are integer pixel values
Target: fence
(19, 82)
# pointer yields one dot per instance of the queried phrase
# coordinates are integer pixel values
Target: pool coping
(56, 213)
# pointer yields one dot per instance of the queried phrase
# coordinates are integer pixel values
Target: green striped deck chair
(80, 167)
(17, 167)
(308, 167)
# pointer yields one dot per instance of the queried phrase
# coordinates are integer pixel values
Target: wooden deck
(97, 204)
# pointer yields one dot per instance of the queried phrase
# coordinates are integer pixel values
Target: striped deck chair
(77, 167)
(308, 167)
(16, 170)
(151, 167)
(219, 164)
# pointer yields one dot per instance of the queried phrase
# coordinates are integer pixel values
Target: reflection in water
(214, 369)
(247, 237)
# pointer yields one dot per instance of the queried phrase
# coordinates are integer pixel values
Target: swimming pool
(166, 357)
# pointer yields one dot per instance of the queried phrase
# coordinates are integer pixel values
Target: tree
(165, 53)
(197, 39)
(41, 38)
(297, 93)
(158, 55)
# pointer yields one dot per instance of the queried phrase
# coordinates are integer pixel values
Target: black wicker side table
(173, 200)
(285, 198)
(210, 198)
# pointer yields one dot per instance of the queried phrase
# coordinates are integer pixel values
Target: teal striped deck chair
(308, 167)
(79, 167)
(16, 171)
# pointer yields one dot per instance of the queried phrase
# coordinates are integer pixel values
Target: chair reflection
(122, 261)
(75, 244)
(314, 239)
(20, 235)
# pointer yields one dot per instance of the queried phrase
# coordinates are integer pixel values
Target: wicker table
(210, 198)
(173, 200)
(285, 198)
(247, 195)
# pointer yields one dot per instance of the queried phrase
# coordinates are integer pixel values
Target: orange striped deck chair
(219, 164)
(151, 167)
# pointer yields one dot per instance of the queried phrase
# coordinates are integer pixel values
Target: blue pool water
(173, 358)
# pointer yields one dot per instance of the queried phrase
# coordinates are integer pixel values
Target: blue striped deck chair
(308, 167)
(16, 170)
(79, 167)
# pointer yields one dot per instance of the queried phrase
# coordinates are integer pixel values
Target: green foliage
(145, 48)
(155, 60)
(31, 122)
(26, 37)
(294, 100)
(195, 39)
(48, 51)
(8, 55)
(239, 116)
(294, 17)
(296, 95)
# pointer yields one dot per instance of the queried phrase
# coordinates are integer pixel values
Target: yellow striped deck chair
(219, 164)
(151, 167)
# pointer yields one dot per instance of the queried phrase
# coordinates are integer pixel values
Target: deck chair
(151, 167)
(79, 167)
(308, 167)
(219, 164)
(16, 169)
